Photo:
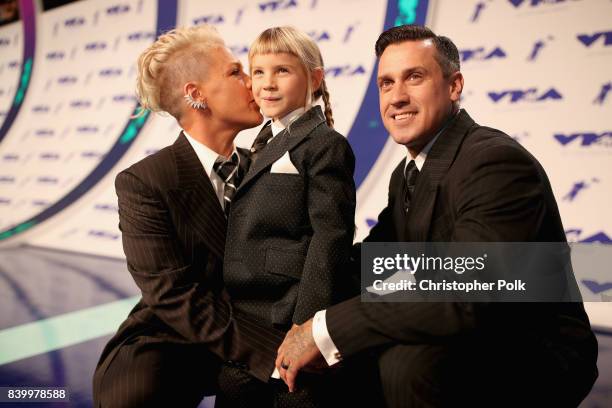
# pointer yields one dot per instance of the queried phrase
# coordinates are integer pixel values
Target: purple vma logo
(536, 3)
(575, 235)
(525, 95)
(589, 39)
(209, 19)
(141, 35)
(481, 54)
(103, 234)
(345, 70)
(585, 139)
(74, 22)
(578, 187)
(276, 5)
(118, 9)
(95, 46)
(55, 55)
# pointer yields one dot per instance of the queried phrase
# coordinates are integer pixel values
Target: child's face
(279, 83)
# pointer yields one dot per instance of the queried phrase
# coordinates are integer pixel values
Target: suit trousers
(355, 384)
(153, 374)
(443, 376)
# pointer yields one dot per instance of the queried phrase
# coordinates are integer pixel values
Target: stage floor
(59, 309)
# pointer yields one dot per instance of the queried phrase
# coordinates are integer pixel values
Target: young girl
(291, 224)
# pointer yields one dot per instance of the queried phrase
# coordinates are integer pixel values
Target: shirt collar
(280, 125)
(205, 154)
(419, 161)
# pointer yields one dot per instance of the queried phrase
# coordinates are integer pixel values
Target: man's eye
(415, 76)
(384, 84)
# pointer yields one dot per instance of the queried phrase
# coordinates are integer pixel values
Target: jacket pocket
(286, 262)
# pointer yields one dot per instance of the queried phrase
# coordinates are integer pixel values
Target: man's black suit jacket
(173, 231)
(290, 234)
(477, 185)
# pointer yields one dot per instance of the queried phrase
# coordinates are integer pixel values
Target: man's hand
(298, 351)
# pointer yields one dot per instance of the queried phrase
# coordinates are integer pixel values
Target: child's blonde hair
(177, 57)
(292, 41)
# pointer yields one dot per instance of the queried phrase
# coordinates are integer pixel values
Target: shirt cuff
(275, 374)
(326, 346)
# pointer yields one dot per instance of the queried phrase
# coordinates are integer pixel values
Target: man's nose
(399, 96)
(248, 82)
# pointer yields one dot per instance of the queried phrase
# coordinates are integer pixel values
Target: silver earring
(193, 103)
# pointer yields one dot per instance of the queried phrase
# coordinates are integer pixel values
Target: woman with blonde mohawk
(292, 222)
(172, 214)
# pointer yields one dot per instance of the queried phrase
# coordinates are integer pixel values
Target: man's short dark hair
(447, 55)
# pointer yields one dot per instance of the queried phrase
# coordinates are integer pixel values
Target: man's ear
(317, 78)
(456, 86)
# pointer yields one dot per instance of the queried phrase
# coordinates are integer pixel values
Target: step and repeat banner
(538, 70)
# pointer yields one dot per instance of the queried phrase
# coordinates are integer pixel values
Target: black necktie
(229, 171)
(261, 140)
(410, 175)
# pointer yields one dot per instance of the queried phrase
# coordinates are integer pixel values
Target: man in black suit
(172, 214)
(459, 182)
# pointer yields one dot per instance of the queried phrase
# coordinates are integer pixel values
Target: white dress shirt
(280, 125)
(208, 157)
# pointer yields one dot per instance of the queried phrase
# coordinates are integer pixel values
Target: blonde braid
(328, 110)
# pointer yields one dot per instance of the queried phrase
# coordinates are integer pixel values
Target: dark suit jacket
(289, 235)
(477, 185)
(173, 232)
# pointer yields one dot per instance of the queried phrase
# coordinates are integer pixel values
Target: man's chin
(404, 139)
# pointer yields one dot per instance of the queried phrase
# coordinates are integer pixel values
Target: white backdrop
(538, 70)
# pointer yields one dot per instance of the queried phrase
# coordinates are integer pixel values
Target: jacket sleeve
(498, 197)
(330, 164)
(176, 291)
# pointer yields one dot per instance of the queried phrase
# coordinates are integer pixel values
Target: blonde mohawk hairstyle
(175, 58)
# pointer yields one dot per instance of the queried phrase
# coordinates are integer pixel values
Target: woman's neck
(219, 139)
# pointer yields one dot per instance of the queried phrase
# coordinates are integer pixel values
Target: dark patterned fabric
(173, 232)
(410, 176)
(229, 172)
(476, 185)
(290, 234)
(353, 386)
(289, 241)
(261, 140)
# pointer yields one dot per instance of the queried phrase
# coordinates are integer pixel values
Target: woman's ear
(317, 78)
(191, 89)
(193, 96)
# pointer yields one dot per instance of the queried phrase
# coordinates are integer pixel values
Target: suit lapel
(284, 142)
(195, 198)
(436, 166)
